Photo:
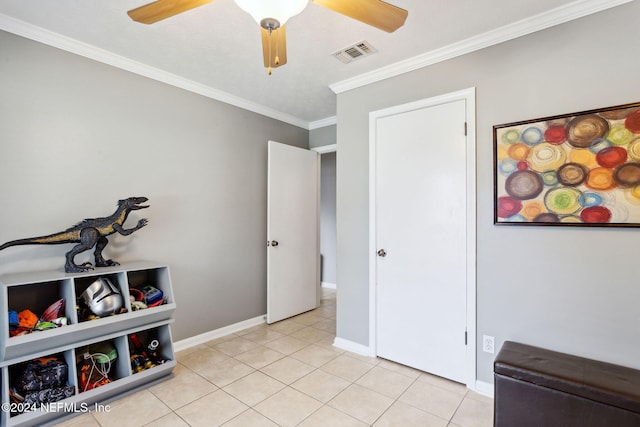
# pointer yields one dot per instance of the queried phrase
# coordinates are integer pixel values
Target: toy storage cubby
(38, 290)
(14, 371)
(160, 356)
(80, 285)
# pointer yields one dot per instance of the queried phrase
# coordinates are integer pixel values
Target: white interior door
(420, 235)
(293, 251)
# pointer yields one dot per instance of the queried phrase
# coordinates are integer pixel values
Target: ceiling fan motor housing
(270, 24)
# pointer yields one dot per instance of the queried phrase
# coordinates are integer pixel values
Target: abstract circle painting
(573, 169)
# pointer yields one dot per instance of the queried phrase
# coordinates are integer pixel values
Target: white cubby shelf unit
(38, 290)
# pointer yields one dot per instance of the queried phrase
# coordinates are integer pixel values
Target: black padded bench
(535, 387)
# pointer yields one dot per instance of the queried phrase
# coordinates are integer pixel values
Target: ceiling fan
(272, 15)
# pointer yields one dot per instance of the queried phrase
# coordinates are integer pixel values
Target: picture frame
(577, 169)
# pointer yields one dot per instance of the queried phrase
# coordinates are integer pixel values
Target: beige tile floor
(290, 374)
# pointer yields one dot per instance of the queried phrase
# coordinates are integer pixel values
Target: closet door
(420, 238)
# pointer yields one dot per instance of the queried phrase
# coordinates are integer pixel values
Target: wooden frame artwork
(579, 169)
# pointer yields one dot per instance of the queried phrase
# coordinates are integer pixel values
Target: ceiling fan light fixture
(280, 10)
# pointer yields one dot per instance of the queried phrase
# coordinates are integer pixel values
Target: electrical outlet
(488, 344)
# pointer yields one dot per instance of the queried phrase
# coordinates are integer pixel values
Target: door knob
(274, 243)
(382, 253)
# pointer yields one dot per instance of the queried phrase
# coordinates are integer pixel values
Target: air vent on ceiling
(356, 51)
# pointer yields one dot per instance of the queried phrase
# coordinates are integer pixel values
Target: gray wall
(328, 233)
(319, 137)
(77, 135)
(570, 289)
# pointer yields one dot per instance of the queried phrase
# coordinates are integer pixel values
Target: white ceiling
(216, 50)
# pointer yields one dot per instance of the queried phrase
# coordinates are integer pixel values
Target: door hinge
(465, 337)
(465, 128)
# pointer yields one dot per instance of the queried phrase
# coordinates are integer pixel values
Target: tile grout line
(322, 319)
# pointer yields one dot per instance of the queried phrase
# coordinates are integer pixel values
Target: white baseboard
(217, 333)
(328, 285)
(353, 347)
(484, 388)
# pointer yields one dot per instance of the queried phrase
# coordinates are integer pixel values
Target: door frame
(324, 149)
(468, 95)
(331, 148)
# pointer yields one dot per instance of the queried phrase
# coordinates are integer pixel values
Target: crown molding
(557, 16)
(328, 121)
(86, 50)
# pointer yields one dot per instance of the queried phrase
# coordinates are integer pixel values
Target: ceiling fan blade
(162, 9)
(376, 13)
(274, 47)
